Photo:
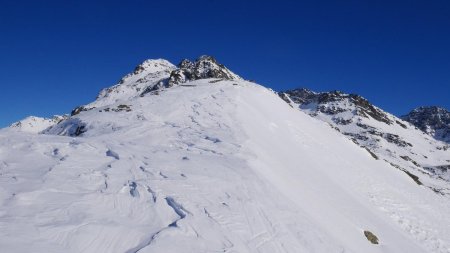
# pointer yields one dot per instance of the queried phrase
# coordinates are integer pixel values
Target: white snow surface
(147, 73)
(216, 166)
(34, 124)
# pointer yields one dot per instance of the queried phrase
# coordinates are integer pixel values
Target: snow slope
(213, 166)
(384, 135)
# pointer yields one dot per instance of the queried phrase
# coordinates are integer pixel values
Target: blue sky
(55, 55)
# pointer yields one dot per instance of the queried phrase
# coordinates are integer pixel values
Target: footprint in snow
(162, 175)
(213, 139)
(112, 154)
(133, 189)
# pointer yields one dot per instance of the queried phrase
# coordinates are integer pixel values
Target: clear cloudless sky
(55, 55)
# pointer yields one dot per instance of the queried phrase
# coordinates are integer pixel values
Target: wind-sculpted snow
(71, 127)
(217, 166)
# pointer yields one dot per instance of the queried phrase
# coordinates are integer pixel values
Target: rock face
(382, 134)
(361, 106)
(202, 68)
(433, 120)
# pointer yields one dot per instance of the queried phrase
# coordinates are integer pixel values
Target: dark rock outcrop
(202, 68)
(325, 100)
(433, 120)
(371, 237)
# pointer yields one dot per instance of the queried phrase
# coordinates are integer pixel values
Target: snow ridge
(383, 135)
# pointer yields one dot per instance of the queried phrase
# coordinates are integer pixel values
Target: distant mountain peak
(430, 109)
(33, 124)
(433, 120)
(325, 100)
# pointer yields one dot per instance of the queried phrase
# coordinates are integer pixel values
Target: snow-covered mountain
(433, 120)
(34, 124)
(207, 162)
(382, 134)
(152, 76)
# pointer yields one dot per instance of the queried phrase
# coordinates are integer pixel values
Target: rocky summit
(433, 120)
(204, 67)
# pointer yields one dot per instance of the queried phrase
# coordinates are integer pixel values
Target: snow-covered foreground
(223, 166)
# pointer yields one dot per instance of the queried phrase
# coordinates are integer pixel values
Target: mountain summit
(152, 76)
(433, 120)
(204, 67)
(192, 158)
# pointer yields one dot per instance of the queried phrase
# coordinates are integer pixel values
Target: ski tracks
(408, 219)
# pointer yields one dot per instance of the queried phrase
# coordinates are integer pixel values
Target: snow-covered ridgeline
(212, 164)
